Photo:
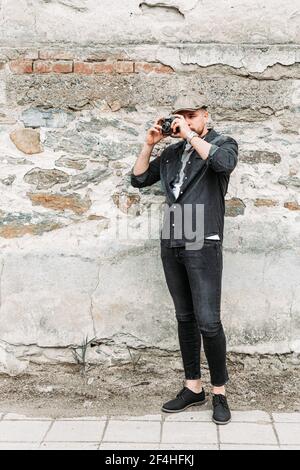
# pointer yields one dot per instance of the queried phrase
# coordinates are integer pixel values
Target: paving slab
(23, 431)
(288, 433)
(286, 417)
(189, 433)
(132, 431)
(76, 431)
(247, 433)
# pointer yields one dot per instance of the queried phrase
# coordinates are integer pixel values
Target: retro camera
(166, 125)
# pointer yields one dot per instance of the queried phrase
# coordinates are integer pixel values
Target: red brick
(148, 67)
(104, 67)
(84, 68)
(21, 66)
(63, 67)
(55, 54)
(292, 206)
(124, 67)
(44, 66)
(88, 68)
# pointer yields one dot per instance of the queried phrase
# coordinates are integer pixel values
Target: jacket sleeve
(223, 158)
(149, 177)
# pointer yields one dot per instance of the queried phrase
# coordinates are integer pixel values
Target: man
(194, 172)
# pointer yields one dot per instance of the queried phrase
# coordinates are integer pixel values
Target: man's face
(196, 120)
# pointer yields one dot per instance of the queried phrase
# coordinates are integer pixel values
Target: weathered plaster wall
(90, 22)
(80, 82)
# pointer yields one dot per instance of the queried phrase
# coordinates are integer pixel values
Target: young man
(193, 172)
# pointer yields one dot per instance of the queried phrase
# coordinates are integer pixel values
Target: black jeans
(194, 279)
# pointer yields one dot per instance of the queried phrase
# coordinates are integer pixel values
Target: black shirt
(203, 189)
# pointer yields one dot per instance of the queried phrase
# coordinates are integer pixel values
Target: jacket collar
(211, 135)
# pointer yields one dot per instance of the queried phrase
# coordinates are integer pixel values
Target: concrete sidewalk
(186, 430)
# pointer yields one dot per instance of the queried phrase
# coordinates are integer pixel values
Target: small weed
(134, 361)
(80, 353)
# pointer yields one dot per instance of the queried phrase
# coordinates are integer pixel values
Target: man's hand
(180, 122)
(154, 134)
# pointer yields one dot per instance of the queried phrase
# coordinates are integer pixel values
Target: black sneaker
(221, 414)
(183, 400)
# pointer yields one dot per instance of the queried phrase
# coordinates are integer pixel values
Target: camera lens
(166, 126)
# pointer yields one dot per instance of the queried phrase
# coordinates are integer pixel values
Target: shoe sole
(182, 409)
(221, 422)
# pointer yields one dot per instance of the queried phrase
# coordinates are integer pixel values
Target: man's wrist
(190, 135)
(150, 146)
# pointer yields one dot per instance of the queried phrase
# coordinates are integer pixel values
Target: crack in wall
(145, 6)
(1, 273)
(181, 6)
(92, 306)
(292, 316)
(75, 5)
(1, 12)
(194, 6)
(264, 268)
(33, 11)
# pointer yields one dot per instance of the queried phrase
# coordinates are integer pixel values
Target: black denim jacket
(205, 183)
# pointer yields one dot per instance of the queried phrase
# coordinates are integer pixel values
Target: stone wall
(80, 82)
